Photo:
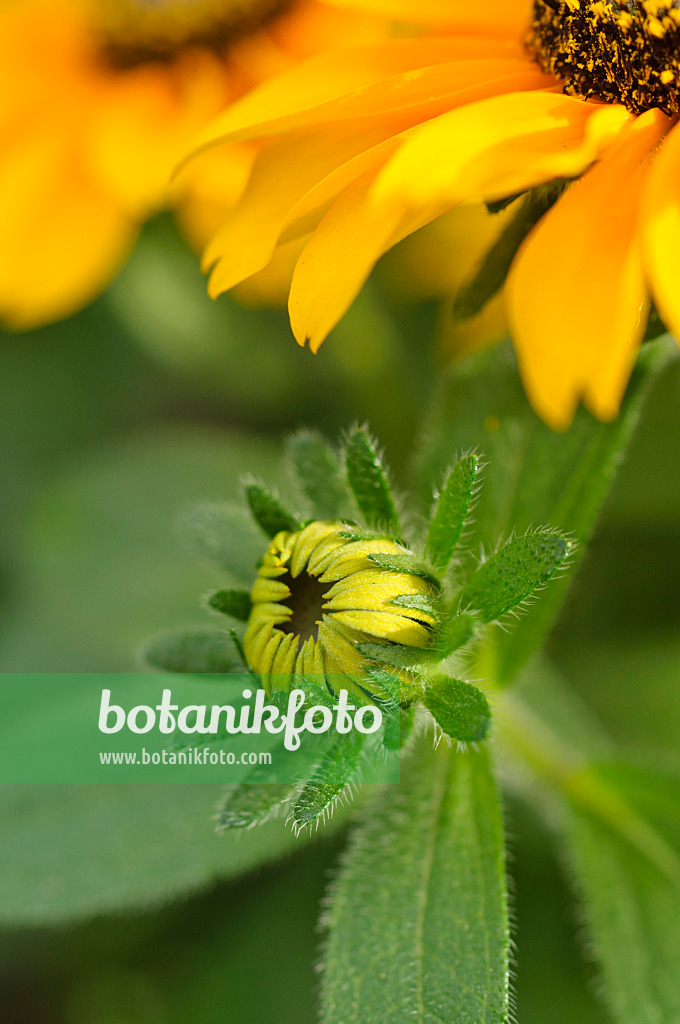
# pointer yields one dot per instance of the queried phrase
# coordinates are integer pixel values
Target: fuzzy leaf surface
(460, 709)
(418, 926)
(369, 482)
(203, 649)
(513, 573)
(319, 474)
(631, 894)
(267, 510)
(451, 512)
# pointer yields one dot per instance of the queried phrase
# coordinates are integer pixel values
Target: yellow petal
(339, 83)
(502, 18)
(661, 230)
(143, 122)
(61, 240)
(295, 178)
(282, 174)
(340, 255)
(497, 147)
(576, 298)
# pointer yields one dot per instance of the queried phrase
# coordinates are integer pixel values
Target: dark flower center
(136, 32)
(626, 53)
(306, 602)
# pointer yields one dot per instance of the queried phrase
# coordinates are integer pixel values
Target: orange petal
(661, 230)
(498, 147)
(576, 298)
(313, 91)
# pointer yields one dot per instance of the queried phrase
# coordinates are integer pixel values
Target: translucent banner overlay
(94, 728)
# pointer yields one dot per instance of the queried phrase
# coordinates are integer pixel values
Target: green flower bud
(319, 594)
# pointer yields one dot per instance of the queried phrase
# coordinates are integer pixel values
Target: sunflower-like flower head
(322, 592)
(337, 601)
(571, 104)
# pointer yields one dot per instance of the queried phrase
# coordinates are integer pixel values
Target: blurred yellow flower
(366, 146)
(99, 99)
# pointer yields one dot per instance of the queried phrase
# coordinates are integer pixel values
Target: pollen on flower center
(626, 53)
(134, 32)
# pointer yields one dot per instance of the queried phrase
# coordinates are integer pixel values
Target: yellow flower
(318, 595)
(491, 100)
(99, 99)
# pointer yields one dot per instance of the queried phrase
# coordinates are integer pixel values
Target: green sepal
(267, 510)
(460, 709)
(337, 770)
(196, 650)
(398, 655)
(455, 633)
(247, 805)
(388, 683)
(368, 480)
(235, 603)
(513, 573)
(404, 563)
(319, 474)
(417, 603)
(398, 727)
(451, 512)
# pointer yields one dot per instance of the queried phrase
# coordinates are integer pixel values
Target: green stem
(570, 774)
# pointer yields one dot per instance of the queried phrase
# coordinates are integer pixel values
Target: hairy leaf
(451, 512)
(319, 474)
(417, 923)
(267, 510)
(629, 879)
(202, 649)
(460, 709)
(513, 573)
(368, 479)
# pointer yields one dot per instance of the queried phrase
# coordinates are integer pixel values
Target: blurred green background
(155, 398)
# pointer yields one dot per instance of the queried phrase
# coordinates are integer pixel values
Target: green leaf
(404, 563)
(513, 573)
(267, 510)
(252, 803)
(319, 474)
(337, 770)
(225, 535)
(534, 475)
(460, 709)
(631, 892)
(418, 920)
(202, 649)
(368, 479)
(451, 512)
(235, 603)
(117, 848)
